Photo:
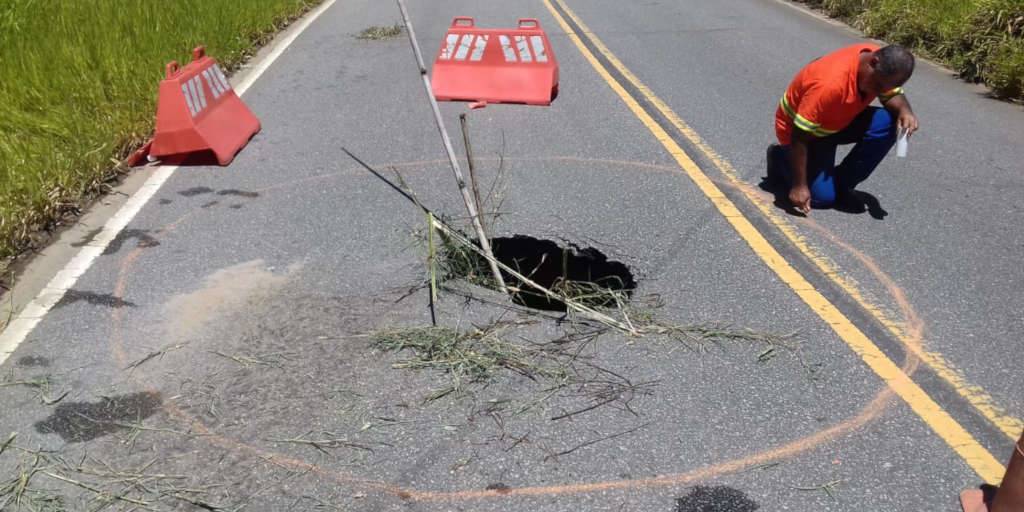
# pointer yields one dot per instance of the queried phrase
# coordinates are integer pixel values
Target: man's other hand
(800, 197)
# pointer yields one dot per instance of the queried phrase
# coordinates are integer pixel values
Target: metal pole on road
(485, 244)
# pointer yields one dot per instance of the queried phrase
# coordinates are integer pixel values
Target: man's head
(884, 69)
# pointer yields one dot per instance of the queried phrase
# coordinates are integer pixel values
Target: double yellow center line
(947, 428)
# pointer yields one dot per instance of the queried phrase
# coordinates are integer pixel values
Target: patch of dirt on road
(222, 292)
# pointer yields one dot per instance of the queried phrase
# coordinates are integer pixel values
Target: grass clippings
(325, 441)
(479, 356)
(599, 305)
(476, 356)
(43, 387)
(378, 33)
(41, 481)
(829, 488)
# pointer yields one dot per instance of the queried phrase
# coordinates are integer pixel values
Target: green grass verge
(78, 84)
(983, 40)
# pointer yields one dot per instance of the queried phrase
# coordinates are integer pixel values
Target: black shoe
(776, 174)
(849, 201)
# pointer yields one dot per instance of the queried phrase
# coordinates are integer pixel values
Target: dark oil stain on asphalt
(239, 193)
(211, 203)
(165, 201)
(33, 362)
(499, 487)
(195, 191)
(77, 422)
(93, 298)
(87, 238)
(719, 498)
(145, 240)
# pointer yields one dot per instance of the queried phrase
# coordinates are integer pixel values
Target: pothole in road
(585, 275)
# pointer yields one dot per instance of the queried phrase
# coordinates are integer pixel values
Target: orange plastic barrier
(199, 111)
(514, 65)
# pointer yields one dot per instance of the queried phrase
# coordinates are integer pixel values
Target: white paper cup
(901, 144)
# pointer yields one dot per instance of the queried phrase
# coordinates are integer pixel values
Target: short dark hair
(895, 61)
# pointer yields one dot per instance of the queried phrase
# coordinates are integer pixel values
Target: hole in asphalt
(585, 274)
(76, 422)
(719, 498)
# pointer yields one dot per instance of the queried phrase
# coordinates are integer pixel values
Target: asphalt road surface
(221, 351)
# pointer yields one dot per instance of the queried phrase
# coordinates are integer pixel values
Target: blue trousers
(873, 134)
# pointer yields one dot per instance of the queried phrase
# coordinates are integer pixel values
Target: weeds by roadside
(983, 40)
(77, 90)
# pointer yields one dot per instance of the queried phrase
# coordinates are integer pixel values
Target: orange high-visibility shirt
(823, 97)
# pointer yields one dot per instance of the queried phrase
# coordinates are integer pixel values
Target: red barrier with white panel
(198, 111)
(515, 65)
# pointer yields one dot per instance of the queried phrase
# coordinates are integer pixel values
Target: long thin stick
(432, 264)
(472, 168)
(595, 441)
(485, 244)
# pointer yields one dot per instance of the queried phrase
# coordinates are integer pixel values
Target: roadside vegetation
(78, 84)
(982, 40)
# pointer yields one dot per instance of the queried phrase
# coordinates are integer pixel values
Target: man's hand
(907, 121)
(899, 107)
(800, 196)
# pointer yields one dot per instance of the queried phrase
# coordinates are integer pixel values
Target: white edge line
(17, 331)
(280, 47)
